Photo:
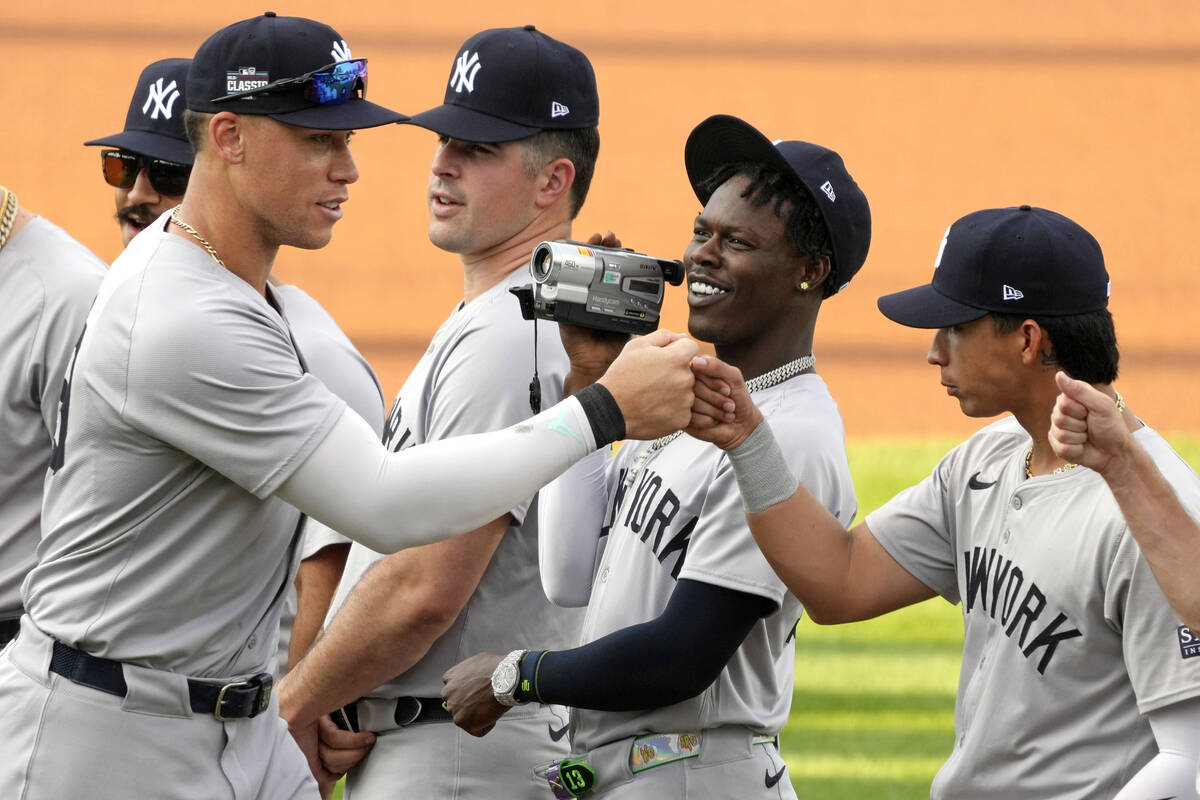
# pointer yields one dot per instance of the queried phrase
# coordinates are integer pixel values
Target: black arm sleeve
(656, 663)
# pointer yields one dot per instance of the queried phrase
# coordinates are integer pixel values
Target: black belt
(8, 630)
(237, 700)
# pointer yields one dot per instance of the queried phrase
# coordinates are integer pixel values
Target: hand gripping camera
(602, 288)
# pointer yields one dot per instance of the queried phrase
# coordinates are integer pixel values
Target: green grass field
(873, 706)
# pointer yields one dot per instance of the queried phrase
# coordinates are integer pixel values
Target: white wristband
(761, 471)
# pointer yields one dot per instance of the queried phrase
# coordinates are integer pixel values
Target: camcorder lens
(541, 263)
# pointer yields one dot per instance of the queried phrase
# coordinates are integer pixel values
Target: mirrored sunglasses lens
(338, 85)
(120, 169)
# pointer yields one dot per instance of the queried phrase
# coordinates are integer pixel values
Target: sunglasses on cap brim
(121, 169)
(330, 84)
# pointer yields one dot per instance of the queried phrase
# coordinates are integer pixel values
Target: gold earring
(804, 286)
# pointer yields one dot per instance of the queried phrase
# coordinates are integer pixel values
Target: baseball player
(47, 282)
(1077, 679)
(152, 159)
(189, 422)
(684, 679)
(509, 173)
(149, 170)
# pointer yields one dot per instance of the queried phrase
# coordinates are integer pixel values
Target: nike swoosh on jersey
(555, 735)
(975, 483)
(771, 780)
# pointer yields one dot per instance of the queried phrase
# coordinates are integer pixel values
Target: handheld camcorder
(603, 288)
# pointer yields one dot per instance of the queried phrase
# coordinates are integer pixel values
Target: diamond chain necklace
(212, 251)
(764, 381)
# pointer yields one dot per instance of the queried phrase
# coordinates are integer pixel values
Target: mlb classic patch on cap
(264, 52)
(154, 122)
(511, 83)
(1017, 260)
(723, 139)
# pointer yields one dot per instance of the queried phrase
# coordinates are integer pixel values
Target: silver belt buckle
(221, 698)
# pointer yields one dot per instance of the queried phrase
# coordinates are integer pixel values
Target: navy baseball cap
(285, 59)
(511, 83)
(1020, 260)
(154, 124)
(723, 139)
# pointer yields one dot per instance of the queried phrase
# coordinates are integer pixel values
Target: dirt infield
(939, 108)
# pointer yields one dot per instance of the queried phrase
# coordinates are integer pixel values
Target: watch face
(504, 679)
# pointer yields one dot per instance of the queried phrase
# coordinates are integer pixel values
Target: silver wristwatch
(506, 677)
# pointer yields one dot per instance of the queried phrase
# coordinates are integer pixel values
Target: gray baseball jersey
(333, 358)
(47, 283)
(474, 377)
(682, 517)
(1068, 638)
(162, 545)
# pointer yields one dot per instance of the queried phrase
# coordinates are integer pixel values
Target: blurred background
(939, 108)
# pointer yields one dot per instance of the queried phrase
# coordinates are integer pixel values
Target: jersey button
(253, 640)
(604, 575)
(1016, 503)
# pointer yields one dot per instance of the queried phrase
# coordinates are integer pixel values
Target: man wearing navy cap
(1077, 680)
(685, 675)
(189, 423)
(149, 171)
(152, 159)
(518, 144)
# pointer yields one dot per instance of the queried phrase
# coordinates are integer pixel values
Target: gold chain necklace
(8, 215)
(1120, 401)
(212, 251)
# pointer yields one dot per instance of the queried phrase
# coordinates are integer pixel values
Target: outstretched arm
(389, 501)
(1087, 428)
(839, 575)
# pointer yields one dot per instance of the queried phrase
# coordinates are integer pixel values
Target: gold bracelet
(1120, 403)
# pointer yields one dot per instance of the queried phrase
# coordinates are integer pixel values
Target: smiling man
(517, 147)
(150, 170)
(1077, 679)
(189, 424)
(684, 679)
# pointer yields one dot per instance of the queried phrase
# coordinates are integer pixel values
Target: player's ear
(811, 273)
(227, 132)
(554, 182)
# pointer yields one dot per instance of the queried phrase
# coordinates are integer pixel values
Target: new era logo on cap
(465, 69)
(1012, 294)
(827, 188)
(557, 109)
(162, 98)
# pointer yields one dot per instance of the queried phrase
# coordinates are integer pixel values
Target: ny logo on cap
(827, 188)
(465, 70)
(557, 109)
(1012, 294)
(937, 262)
(340, 51)
(157, 95)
